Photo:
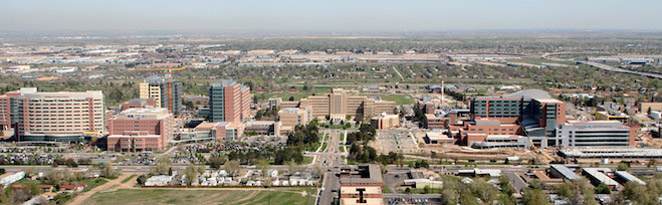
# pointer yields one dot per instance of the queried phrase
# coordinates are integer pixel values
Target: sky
(329, 16)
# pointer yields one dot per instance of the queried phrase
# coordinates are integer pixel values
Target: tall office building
(52, 116)
(229, 101)
(157, 88)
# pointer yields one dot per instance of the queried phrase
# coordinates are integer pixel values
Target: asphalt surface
(331, 158)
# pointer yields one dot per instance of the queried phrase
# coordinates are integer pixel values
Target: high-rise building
(229, 101)
(52, 116)
(157, 88)
(140, 129)
(537, 113)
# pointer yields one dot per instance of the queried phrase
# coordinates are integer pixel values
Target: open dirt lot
(394, 141)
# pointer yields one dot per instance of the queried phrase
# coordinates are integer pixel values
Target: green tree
(215, 162)
(602, 189)
(534, 197)
(622, 166)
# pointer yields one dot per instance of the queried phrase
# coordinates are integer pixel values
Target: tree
(506, 186)
(215, 162)
(191, 174)
(483, 190)
(534, 197)
(263, 165)
(427, 189)
(19, 195)
(602, 189)
(293, 167)
(639, 193)
(141, 179)
(318, 169)
(580, 192)
(291, 98)
(232, 167)
(107, 170)
(623, 166)
(163, 165)
(450, 193)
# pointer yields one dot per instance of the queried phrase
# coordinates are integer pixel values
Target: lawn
(324, 147)
(91, 183)
(421, 191)
(386, 190)
(184, 196)
(128, 178)
(342, 148)
(307, 160)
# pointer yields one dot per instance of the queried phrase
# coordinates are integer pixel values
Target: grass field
(324, 147)
(398, 99)
(183, 196)
(307, 160)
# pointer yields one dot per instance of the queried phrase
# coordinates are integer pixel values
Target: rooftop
(526, 94)
(225, 83)
(563, 170)
(363, 174)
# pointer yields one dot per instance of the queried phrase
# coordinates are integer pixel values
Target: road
(620, 70)
(330, 158)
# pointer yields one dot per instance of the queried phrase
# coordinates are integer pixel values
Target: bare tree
(232, 167)
(107, 170)
(163, 165)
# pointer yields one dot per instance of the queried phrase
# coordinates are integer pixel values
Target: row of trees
(477, 192)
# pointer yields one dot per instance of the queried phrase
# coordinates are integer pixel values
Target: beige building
(386, 121)
(152, 91)
(656, 106)
(339, 104)
(294, 116)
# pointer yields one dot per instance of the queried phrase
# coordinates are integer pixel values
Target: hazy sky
(332, 15)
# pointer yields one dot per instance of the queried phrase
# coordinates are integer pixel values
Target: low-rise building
(385, 121)
(294, 116)
(434, 122)
(361, 185)
(263, 127)
(438, 137)
(594, 133)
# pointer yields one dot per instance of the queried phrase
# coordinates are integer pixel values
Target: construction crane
(170, 107)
